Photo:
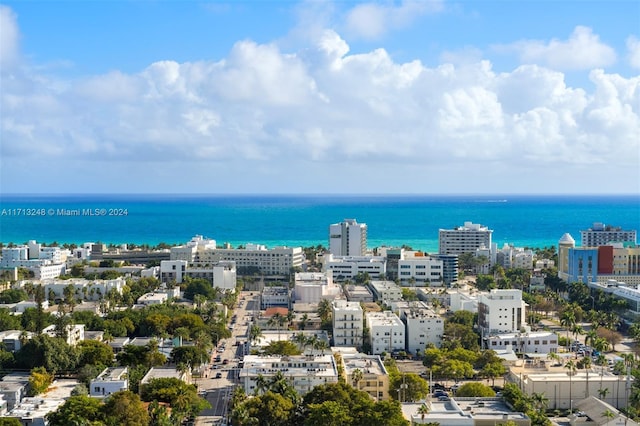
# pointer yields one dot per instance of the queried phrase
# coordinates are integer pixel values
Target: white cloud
(583, 50)
(633, 48)
(9, 38)
(374, 20)
(320, 115)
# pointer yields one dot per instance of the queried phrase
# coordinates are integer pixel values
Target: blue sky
(320, 97)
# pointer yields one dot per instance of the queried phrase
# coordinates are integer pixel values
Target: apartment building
(303, 372)
(111, 380)
(385, 291)
(420, 271)
(464, 239)
(348, 325)
(367, 373)
(348, 238)
(601, 235)
(501, 311)
(386, 332)
(423, 326)
(349, 267)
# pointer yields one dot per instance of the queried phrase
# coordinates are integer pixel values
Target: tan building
(367, 373)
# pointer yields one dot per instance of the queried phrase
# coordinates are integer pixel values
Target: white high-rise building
(601, 234)
(386, 332)
(348, 323)
(501, 311)
(348, 238)
(464, 239)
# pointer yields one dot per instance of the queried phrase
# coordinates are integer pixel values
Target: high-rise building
(464, 239)
(348, 238)
(601, 234)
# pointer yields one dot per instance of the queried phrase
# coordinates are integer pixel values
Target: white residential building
(153, 298)
(463, 299)
(84, 289)
(164, 373)
(386, 332)
(601, 235)
(12, 339)
(358, 293)
(348, 267)
(542, 342)
(221, 274)
(44, 262)
(501, 311)
(111, 380)
(275, 296)
(423, 326)
(311, 287)
(464, 239)
(256, 258)
(385, 291)
(420, 271)
(74, 333)
(348, 325)
(348, 238)
(303, 372)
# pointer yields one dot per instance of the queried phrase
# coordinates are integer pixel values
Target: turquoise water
(414, 220)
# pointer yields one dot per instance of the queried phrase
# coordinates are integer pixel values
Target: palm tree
(324, 310)
(608, 414)
(255, 333)
(278, 320)
(552, 356)
(590, 337)
(290, 316)
(356, 377)
(567, 320)
(303, 321)
(602, 393)
(602, 362)
(571, 366)
(423, 411)
(539, 401)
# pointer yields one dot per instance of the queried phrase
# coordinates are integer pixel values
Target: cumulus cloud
(265, 113)
(633, 48)
(373, 20)
(583, 50)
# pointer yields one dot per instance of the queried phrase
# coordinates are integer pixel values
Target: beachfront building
(111, 380)
(501, 311)
(86, 290)
(464, 239)
(303, 372)
(386, 332)
(348, 238)
(349, 267)
(311, 287)
(367, 373)
(601, 235)
(348, 324)
(45, 262)
(385, 291)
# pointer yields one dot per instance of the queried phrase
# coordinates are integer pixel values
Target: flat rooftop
(368, 364)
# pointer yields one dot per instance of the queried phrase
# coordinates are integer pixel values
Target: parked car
(218, 375)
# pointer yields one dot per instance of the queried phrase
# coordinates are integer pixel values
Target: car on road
(218, 358)
(218, 375)
(226, 361)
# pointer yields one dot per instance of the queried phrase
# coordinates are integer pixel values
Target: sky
(332, 97)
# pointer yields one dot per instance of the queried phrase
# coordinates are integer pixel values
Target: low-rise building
(111, 380)
(303, 372)
(386, 332)
(420, 271)
(385, 291)
(275, 296)
(12, 339)
(311, 287)
(164, 373)
(539, 342)
(423, 326)
(33, 410)
(349, 267)
(74, 333)
(464, 412)
(367, 373)
(358, 293)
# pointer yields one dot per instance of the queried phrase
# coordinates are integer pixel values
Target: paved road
(218, 390)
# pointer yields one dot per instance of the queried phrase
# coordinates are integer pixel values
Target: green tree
(493, 371)
(190, 355)
(270, 409)
(77, 410)
(124, 408)
(39, 381)
(408, 387)
(475, 389)
(52, 353)
(199, 286)
(13, 296)
(328, 413)
(93, 352)
(324, 310)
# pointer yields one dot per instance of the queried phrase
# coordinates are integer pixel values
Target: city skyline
(320, 97)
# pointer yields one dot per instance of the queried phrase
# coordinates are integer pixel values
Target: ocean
(303, 220)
